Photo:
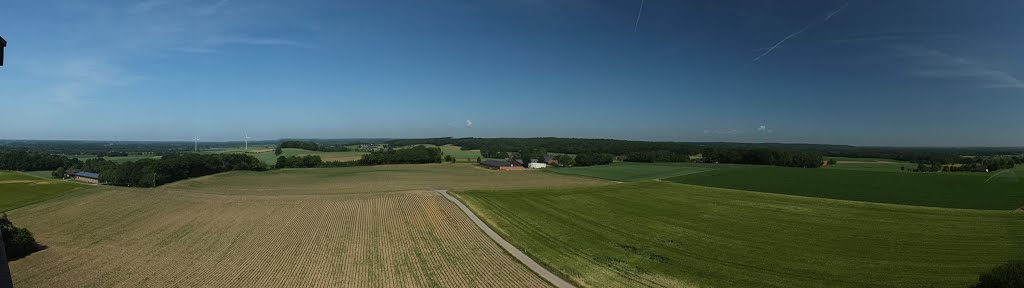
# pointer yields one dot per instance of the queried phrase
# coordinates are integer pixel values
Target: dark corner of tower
(3, 43)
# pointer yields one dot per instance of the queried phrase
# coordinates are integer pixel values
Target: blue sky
(922, 73)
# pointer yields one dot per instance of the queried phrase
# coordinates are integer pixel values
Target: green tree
(448, 158)
(565, 160)
(479, 160)
(59, 173)
(277, 151)
(18, 242)
(1009, 274)
(831, 162)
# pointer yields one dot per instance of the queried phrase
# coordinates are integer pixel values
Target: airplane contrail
(794, 34)
(637, 24)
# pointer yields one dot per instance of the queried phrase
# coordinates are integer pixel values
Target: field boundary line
(512, 250)
(684, 174)
(997, 174)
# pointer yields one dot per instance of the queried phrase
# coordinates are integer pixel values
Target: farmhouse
(88, 177)
(70, 173)
(501, 165)
(550, 160)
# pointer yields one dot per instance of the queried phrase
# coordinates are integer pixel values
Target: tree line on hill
(312, 146)
(604, 151)
(20, 160)
(413, 155)
(494, 147)
(169, 168)
(763, 156)
(971, 164)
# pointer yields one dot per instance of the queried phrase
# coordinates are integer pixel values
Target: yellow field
(352, 227)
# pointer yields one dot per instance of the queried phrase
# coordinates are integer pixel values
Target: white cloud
(82, 77)
(930, 63)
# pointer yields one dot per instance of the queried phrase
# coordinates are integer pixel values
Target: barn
(501, 165)
(88, 177)
(537, 165)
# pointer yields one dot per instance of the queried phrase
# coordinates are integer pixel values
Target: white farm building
(537, 165)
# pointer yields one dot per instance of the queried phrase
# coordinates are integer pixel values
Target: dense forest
(33, 161)
(412, 155)
(167, 169)
(656, 156)
(313, 146)
(307, 161)
(591, 159)
(763, 156)
(971, 164)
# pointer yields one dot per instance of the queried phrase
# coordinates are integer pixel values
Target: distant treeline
(32, 161)
(167, 169)
(603, 151)
(495, 147)
(591, 159)
(112, 154)
(975, 164)
(307, 161)
(413, 155)
(314, 146)
(763, 156)
(115, 148)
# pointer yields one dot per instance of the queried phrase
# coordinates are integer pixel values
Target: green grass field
(45, 174)
(951, 190)
(870, 164)
(627, 171)
(675, 235)
(19, 190)
(267, 156)
(456, 151)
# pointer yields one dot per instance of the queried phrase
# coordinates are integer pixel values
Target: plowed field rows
(173, 237)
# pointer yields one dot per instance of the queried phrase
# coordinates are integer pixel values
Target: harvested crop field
(334, 235)
(371, 179)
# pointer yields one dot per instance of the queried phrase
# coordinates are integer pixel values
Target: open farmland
(628, 171)
(353, 227)
(870, 164)
(951, 190)
(370, 179)
(665, 234)
(455, 151)
(268, 156)
(17, 189)
(459, 154)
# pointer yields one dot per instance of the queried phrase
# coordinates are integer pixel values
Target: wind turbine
(196, 139)
(246, 140)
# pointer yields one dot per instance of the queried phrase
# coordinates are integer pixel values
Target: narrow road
(512, 250)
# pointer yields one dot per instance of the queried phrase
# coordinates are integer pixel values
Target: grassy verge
(950, 190)
(666, 234)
